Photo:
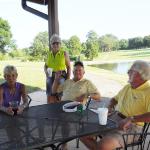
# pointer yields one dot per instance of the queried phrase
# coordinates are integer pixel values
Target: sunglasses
(57, 43)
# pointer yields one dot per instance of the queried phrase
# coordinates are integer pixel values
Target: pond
(120, 68)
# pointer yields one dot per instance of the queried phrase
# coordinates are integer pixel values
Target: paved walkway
(107, 88)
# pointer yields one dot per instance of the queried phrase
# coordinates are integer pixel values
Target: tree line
(93, 45)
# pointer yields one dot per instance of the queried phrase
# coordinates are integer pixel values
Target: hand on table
(125, 124)
(9, 111)
(80, 98)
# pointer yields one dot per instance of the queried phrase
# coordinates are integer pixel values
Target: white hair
(55, 38)
(9, 69)
(143, 68)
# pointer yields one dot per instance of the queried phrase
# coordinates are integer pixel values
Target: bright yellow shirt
(72, 90)
(56, 62)
(132, 102)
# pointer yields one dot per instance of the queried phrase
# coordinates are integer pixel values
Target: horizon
(124, 19)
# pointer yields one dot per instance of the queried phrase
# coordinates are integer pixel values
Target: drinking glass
(14, 105)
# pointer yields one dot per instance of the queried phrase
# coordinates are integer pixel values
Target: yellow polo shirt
(71, 89)
(133, 102)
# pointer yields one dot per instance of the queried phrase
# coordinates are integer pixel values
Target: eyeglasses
(131, 71)
(57, 43)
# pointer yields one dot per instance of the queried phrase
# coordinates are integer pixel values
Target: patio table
(47, 125)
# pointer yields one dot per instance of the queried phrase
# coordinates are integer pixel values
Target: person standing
(57, 60)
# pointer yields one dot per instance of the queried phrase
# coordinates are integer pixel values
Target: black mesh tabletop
(43, 125)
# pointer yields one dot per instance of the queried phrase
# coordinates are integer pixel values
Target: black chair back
(29, 99)
(142, 143)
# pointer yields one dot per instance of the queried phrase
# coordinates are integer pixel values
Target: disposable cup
(102, 115)
(49, 71)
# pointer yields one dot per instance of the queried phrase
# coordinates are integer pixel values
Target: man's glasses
(131, 71)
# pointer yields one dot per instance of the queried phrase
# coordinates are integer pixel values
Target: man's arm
(56, 82)
(112, 104)
(126, 123)
(68, 66)
(95, 96)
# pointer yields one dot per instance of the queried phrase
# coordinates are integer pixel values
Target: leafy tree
(92, 45)
(146, 41)
(136, 42)
(65, 45)
(123, 44)
(5, 35)
(40, 46)
(109, 42)
(74, 46)
(17, 53)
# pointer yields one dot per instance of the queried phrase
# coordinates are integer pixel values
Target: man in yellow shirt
(133, 105)
(78, 88)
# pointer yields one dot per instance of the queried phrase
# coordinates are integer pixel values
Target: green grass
(124, 55)
(32, 73)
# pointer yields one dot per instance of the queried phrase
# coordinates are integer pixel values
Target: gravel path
(107, 87)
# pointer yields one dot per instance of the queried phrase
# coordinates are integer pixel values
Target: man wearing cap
(57, 60)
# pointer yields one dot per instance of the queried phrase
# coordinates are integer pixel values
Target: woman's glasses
(57, 43)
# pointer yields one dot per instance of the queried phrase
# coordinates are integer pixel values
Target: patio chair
(143, 142)
(29, 100)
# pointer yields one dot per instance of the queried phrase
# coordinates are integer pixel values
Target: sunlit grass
(124, 55)
(32, 73)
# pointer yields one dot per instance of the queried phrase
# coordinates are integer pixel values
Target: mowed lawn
(32, 73)
(123, 55)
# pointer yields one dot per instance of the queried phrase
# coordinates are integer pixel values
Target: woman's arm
(68, 66)
(24, 99)
(45, 70)
(2, 108)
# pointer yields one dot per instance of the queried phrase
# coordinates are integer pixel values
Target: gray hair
(9, 69)
(143, 68)
(55, 38)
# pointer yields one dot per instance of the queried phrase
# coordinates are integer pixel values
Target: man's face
(134, 76)
(11, 78)
(78, 72)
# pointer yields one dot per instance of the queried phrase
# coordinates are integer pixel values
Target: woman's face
(11, 78)
(55, 46)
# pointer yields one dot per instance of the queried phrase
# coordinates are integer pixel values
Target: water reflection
(120, 68)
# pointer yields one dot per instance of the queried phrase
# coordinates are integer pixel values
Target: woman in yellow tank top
(57, 60)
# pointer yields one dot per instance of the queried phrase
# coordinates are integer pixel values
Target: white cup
(49, 71)
(102, 115)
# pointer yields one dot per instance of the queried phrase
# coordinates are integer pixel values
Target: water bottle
(80, 108)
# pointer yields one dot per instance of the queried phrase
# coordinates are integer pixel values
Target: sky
(122, 18)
